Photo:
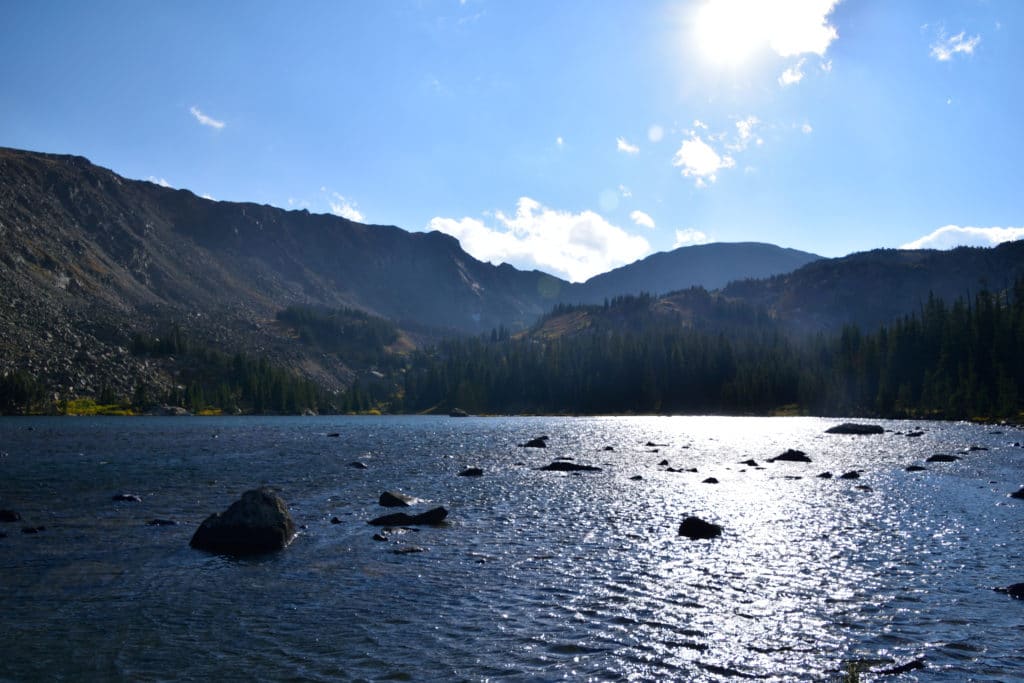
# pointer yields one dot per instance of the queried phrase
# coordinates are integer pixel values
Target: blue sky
(572, 137)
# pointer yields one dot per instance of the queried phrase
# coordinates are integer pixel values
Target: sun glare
(728, 32)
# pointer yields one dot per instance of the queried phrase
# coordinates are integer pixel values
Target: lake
(536, 575)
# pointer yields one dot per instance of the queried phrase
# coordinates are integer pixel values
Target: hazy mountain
(711, 266)
(875, 287)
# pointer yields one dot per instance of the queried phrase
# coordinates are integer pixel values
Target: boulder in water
(563, 466)
(126, 498)
(915, 468)
(825, 475)
(471, 472)
(430, 517)
(1019, 493)
(538, 442)
(9, 516)
(750, 463)
(710, 480)
(791, 455)
(258, 522)
(358, 465)
(395, 499)
(852, 474)
(696, 528)
(855, 428)
(458, 412)
(942, 457)
(161, 522)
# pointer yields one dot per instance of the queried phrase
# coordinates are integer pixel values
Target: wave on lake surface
(536, 575)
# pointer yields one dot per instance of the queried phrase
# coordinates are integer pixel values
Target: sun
(729, 32)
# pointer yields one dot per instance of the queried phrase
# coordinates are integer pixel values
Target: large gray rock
(696, 528)
(259, 522)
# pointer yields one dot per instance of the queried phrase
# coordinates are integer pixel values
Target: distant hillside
(90, 258)
(876, 287)
(711, 266)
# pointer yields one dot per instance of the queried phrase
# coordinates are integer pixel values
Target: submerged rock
(1019, 493)
(395, 499)
(458, 412)
(942, 457)
(636, 477)
(161, 522)
(906, 667)
(825, 475)
(258, 522)
(852, 474)
(855, 428)
(563, 466)
(750, 463)
(791, 455)
(358, 465)
(915, 468)
(538, 442)
(32, 529)
(710, 480)
(471, 472)
(430, 517)
(126, 498)
(1015, 590)
(915, 434)
(9, 516)
(696, 528)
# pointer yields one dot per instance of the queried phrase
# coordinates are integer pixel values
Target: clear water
(538, 575)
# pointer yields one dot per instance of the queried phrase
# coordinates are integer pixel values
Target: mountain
(876, 287)
(90, 259)
(711, 266)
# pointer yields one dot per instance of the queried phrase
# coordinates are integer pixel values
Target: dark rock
(161, 522)
(651, 444)
(914, 434)
(608, 448)
(380, 537)
(791, 455)
(334, 435)
(539, 442)
(358, 465)
(663, 463)
(458, 412)
(672, 469)
(1015, 590)
(750, 463)
(1019, 493)
(852, 474)
(126, 498)
(636, 477)
(696, 528)
(906, 667)
(335, 520)
(654, 450)
(259, 522)
(915, 468)
(863, 487)
(689, 469)
(825, 475)
(562, 466)
(942, 457)
(471, 472)
(710, 480)
(973, 449)
(855, 428)
(430, 517)
(9, 516)
(395, 499)
(32, 529)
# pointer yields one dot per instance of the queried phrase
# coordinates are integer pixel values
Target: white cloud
(655, 133)
(745, 133)
(625, 191)
(623, 146)
(697, 123)
(576, 246)
(792, 75)
(950, 236)
(159, 181)
(729, 31)
(208, 196)
(344, 208)
(559, 141)
(944, 49)
(206, 120)
(641, 218)
(826, 66)
(806, 128)
(700, 161)
(689, 237)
